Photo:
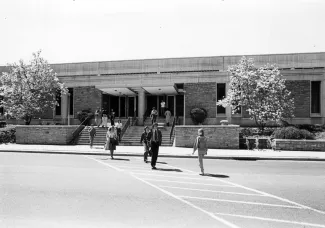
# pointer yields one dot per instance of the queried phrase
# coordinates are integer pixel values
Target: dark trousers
(154, 118)
(91, 140)
(154, 150)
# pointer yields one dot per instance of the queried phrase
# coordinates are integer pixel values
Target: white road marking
(154, 173)
(206, 190)
(191, 178)
(183, 182)
(103, 163)
(188, 203)
(273, 220)
(242, 202)
(273, 196)
(261, 192)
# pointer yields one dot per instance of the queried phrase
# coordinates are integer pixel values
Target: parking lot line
(231, 225)
(272, 220)
(159, 175)
(103, 163)
(207, 190)
(242, 202)
(183, 182)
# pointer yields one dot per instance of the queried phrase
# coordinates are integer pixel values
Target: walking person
(98, 117)
(111, 140)
(168, 115)
(153, 115)
(112, 117)
(155, 139)
(104, 119)
(162, 107)
(201, 145)
(119, 126)
(144, 142)
(92, 134)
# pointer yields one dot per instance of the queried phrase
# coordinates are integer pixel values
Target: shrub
(310, 127)
(8, 134)
(83, 115)
(198, 115)
(292, 133)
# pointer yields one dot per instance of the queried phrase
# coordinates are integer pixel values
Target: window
(58, 106)
(71, 101)
(315, 96)
(221, 93)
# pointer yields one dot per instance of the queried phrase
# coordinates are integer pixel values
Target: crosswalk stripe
(273, 220)
(243, 202)
(159, 175)
(207, 190)
(183, 182)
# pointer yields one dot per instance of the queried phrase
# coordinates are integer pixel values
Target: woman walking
(201, 145)
(111, 140)
(144, 142)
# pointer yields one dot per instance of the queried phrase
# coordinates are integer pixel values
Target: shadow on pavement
(165, 163)
(121, 159)
(246, 159)
(169, 170)
(215, 175)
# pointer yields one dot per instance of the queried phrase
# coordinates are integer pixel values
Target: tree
(260, 91)
(198, 115)
(29, 89)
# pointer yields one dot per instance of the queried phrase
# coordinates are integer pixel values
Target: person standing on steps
(111, 140)
(201, 145)
(112, 117)
(104, 118)
(119, 126)
(168, 115)
(98, 117)
(153, 115)
(162, 107)
(92, 134)
(155, 138)
(144, 142)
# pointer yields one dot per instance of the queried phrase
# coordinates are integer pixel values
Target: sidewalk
(177, 152)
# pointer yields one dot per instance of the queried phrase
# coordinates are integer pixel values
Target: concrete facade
(193, 79)
(52, 135)
(219, 137)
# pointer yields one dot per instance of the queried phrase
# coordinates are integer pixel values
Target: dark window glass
(71, 101)
(221, 93)
(1, 108)
(315, 97)
(58, 106)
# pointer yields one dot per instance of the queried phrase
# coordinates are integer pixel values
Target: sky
(104, 30)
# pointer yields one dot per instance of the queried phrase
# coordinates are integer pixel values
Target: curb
(240, 158)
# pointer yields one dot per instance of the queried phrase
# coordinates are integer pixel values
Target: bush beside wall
(8, 134)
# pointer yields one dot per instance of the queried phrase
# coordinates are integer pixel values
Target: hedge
(8, 134)
(292, 133)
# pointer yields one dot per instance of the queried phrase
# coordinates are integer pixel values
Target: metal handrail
(78, 130)
(126, 126)
(173, 128)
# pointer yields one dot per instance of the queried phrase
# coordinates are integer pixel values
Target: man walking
(155, 138)
(92, 134)
(153, 115)
(98, 116)
(162, 107)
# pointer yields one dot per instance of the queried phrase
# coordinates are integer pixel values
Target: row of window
(315, 105)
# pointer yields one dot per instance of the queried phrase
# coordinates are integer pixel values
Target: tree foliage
(260, 91)
(29, 89)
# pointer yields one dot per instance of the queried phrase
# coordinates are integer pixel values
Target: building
(133, 87)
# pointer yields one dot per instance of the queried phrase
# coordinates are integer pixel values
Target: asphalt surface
(48, 190)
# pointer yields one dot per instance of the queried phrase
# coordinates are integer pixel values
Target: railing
(77, 131)
(173, 128)
(126, 126)
(134, 119)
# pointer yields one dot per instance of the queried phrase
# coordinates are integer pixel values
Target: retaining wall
(41, 134)
(303, 145)
(220, 136)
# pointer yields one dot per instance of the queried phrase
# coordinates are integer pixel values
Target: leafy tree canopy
(260, 91)
(30, 88)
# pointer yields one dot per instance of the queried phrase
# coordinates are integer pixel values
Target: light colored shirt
(162, 104)
(119, 125)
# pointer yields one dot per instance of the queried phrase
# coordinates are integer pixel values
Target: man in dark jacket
(144, 141)
(155, 138)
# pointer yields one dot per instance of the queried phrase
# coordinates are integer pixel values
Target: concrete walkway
(179, 152)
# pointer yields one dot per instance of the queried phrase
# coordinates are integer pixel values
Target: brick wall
(300, 91)
(220, 137)
(86, 97)
(51, 135)
(201, 95)
(296, 145)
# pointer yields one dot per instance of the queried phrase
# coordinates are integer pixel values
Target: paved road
(44, 190)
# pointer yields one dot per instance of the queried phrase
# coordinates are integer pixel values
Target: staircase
(130, 138)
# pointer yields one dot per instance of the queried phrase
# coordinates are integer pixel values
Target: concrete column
(141, 105)
(64, 108)
(322, 101)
